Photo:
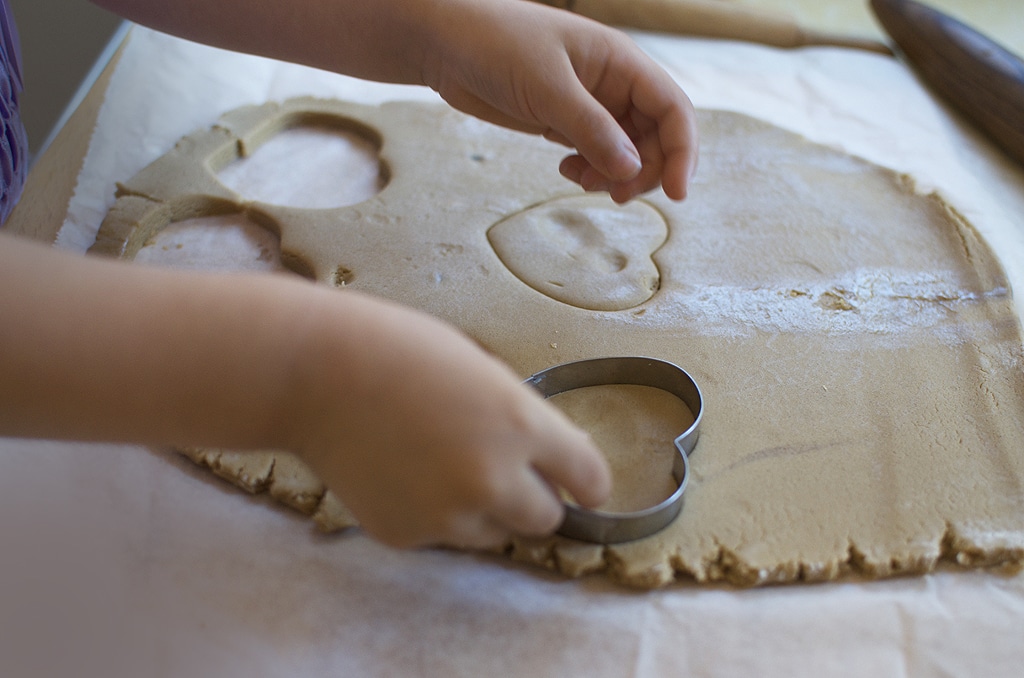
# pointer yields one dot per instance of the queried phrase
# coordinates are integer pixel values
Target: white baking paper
(122, 561)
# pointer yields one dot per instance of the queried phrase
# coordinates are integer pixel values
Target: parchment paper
(125, 561)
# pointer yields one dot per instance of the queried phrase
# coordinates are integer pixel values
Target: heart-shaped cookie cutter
(606, 527)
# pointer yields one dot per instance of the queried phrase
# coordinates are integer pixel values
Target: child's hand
(427, 439)
(520, 64)
(533, 68)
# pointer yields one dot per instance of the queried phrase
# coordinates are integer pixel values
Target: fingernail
(631, 161)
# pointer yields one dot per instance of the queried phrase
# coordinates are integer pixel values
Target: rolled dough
(855, 339)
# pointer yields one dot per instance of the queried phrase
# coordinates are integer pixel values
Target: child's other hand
(577, 82)
(443, 444)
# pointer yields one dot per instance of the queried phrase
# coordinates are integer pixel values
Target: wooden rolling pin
(974, 74)
(712, 19)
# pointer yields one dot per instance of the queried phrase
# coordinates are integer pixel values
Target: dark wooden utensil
(974, 74)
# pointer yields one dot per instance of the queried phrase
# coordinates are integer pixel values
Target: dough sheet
(854, 335)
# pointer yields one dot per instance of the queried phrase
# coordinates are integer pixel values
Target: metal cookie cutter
(611, 528)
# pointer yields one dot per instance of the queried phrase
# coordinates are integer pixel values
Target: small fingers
(598, 137)
(653, 114)
(577, 466)
(476, 531)
(575, 168)
(668, 116)
(528, 507)
(670, 165)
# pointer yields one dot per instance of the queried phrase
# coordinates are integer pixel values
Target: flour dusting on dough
(880, 302)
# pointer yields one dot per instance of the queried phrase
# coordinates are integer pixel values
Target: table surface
(208, 581)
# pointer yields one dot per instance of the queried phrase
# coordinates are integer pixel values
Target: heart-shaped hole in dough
(227, 242)
(310, 161)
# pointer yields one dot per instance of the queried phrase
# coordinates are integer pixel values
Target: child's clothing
(13, 142)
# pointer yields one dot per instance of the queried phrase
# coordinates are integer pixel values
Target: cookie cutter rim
(605, 527)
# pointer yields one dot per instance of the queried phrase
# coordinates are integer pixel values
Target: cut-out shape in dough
(584, 251)
(636, 427)
(222, 242)
(314, 166)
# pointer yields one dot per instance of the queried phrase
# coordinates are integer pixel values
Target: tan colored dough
(249, 470)
(855, 340)
(635, 425)
(280, 474)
